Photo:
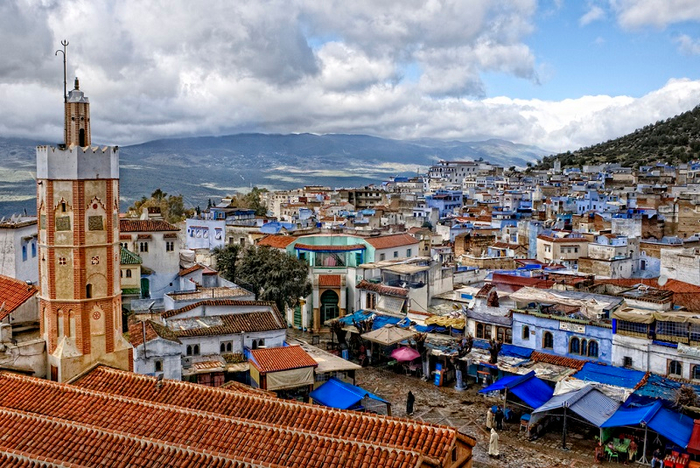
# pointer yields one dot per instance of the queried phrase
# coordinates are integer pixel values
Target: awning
(533, 391)
(674, 426)
(388, 335)
(694, 443)
(338, 394)
(588, 402)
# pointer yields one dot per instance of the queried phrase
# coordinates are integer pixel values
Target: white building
(18, 248)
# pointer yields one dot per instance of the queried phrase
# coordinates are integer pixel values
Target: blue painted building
(563, 336)
(446, 201)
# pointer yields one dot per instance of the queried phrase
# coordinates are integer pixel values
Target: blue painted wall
(540, 325)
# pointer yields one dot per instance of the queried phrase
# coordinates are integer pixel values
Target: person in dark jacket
(410, 400)
(499, 418)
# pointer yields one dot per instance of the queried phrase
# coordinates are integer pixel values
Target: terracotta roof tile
(229, 324)
(279, 359)
(329, 281)
(153, 331)
(145, 225)
(394, 240)
(13, 293)
(278, 242)
(192, 269)
(77, 425)
(547, 358)
(431, 440)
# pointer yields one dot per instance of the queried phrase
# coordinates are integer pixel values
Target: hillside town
(474, 315)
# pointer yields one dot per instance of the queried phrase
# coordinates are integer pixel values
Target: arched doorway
(329, 306)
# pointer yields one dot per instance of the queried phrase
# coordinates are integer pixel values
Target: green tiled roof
(131, 291)
(129, 258)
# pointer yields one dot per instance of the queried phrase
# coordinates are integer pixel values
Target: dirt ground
(466, 411)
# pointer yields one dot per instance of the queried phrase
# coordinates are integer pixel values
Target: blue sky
(558, 74)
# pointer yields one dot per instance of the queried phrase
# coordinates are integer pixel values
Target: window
(669, 330)
(121, 273)
(396, 254)
(195, 350)
(409, 252)
(526, 332)
(593, 349)
(584, 347)
(33, 249)
(548, 341)
(159, 366)
(675, 368)
(382, 257)
(128, 273)
(189, 350)
(371, 301)
(169, 246)
(632, 328)
(627, 361)
(88, 291)
(143, 246)
(124, 245)
(696, 373)
(479, 330)
(24, 253)
(575, 346)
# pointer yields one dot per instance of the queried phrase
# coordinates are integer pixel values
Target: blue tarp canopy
(338, 394)
(609, 375)
(674, 426)
(379, 319)
(657, 388)
(533, 391)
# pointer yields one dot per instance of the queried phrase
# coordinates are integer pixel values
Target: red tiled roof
(234, 323)
(280, 359)
(432, 440)
(192, 269)
(278, 242)
(124, 237)
(217, 302)
(153, 330)
(145, 225)
(381, 289)
(546, 358)
(79, 426)
(13, 293)
(329, 281)
(394, 240)
(671, 285)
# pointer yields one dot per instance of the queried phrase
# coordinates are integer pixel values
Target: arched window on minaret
(88, 291)
(81, 137)
(59, 324)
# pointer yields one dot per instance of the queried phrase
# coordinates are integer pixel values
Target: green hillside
(675, 140)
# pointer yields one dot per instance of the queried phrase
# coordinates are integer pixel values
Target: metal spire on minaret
(64, 43)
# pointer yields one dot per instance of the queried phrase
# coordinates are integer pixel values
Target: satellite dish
(663, 279)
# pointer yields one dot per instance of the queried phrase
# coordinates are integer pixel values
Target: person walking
(493, 444)
(410, 400)
(499, 418)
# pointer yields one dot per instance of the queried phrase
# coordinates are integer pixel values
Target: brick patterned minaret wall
(79, 285)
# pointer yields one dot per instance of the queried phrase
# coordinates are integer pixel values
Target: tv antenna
(64, 43)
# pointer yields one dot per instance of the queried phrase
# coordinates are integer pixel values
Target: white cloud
(182, 68)
(594, 13)
(634, 14)
(688, 45)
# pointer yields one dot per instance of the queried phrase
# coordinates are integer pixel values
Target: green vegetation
(271, 274)
(172, 207)
(672, 141)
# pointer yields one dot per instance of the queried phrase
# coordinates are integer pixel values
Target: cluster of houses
(563, 267)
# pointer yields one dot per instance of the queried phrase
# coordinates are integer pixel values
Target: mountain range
(200, 168)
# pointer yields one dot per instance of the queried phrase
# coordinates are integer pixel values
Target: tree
(253, 201)
(274, 275)
(172, 207)
(227, 260)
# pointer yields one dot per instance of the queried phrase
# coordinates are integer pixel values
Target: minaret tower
(79, 285)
